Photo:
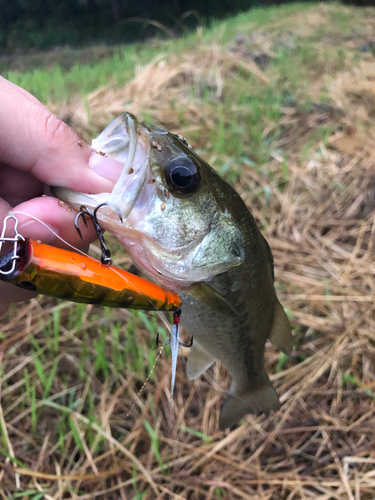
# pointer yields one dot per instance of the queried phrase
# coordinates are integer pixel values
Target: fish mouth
(118, 139)
(122, 140)
(147, 219)
(127, 142)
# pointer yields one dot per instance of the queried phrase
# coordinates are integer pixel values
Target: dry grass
(315, 199)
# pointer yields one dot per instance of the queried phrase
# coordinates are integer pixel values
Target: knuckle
(54, 127)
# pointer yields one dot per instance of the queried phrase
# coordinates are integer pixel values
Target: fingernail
(105, 167)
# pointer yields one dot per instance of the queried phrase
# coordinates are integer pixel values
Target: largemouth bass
(189, 231)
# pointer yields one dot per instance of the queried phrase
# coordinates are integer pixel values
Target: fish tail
(237, 405)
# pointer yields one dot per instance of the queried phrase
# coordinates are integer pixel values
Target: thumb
(34, 140)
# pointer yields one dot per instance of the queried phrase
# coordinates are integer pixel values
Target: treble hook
(105, 258)
(176, 321)
(162, 344)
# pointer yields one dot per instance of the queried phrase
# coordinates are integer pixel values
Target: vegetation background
(44, 24)
(281, 101)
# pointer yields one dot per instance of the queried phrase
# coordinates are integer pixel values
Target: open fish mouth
(122, 141)
(190, 232)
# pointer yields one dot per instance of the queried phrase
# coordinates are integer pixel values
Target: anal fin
(198, 361)
(281, 335)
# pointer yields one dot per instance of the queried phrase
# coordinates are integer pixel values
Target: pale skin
(39, 150)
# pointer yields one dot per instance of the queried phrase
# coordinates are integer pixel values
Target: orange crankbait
(71, 276)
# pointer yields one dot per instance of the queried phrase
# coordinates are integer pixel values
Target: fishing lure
(68, 275)
(76, 277)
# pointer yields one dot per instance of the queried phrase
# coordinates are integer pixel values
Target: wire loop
(15, 239)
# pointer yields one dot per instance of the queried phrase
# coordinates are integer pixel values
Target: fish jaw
(114, 140)
(127, 143)
(76, 200)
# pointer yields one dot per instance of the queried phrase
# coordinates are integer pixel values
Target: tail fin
(236, 406)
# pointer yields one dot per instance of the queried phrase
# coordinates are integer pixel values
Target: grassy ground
(282, 103)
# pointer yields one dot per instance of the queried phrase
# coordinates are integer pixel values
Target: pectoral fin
(198, 361)
(281, 335)
(236, 406)
(211, 297)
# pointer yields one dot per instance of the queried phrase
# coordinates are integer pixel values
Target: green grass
(155, 445)
(201, 435)
(30, 494)
(349, 381)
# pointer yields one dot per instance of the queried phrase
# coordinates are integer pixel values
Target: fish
(188, 230)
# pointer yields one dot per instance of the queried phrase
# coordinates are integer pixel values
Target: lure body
(71, 276)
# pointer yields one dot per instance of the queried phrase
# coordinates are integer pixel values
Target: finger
(35, 141)
(4, 210)
(16, 186)
(10, 293)
(24, 92)
(52, 222)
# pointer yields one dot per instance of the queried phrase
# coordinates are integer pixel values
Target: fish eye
(182, 175)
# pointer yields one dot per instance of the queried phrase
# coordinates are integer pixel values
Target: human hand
(39, 150)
